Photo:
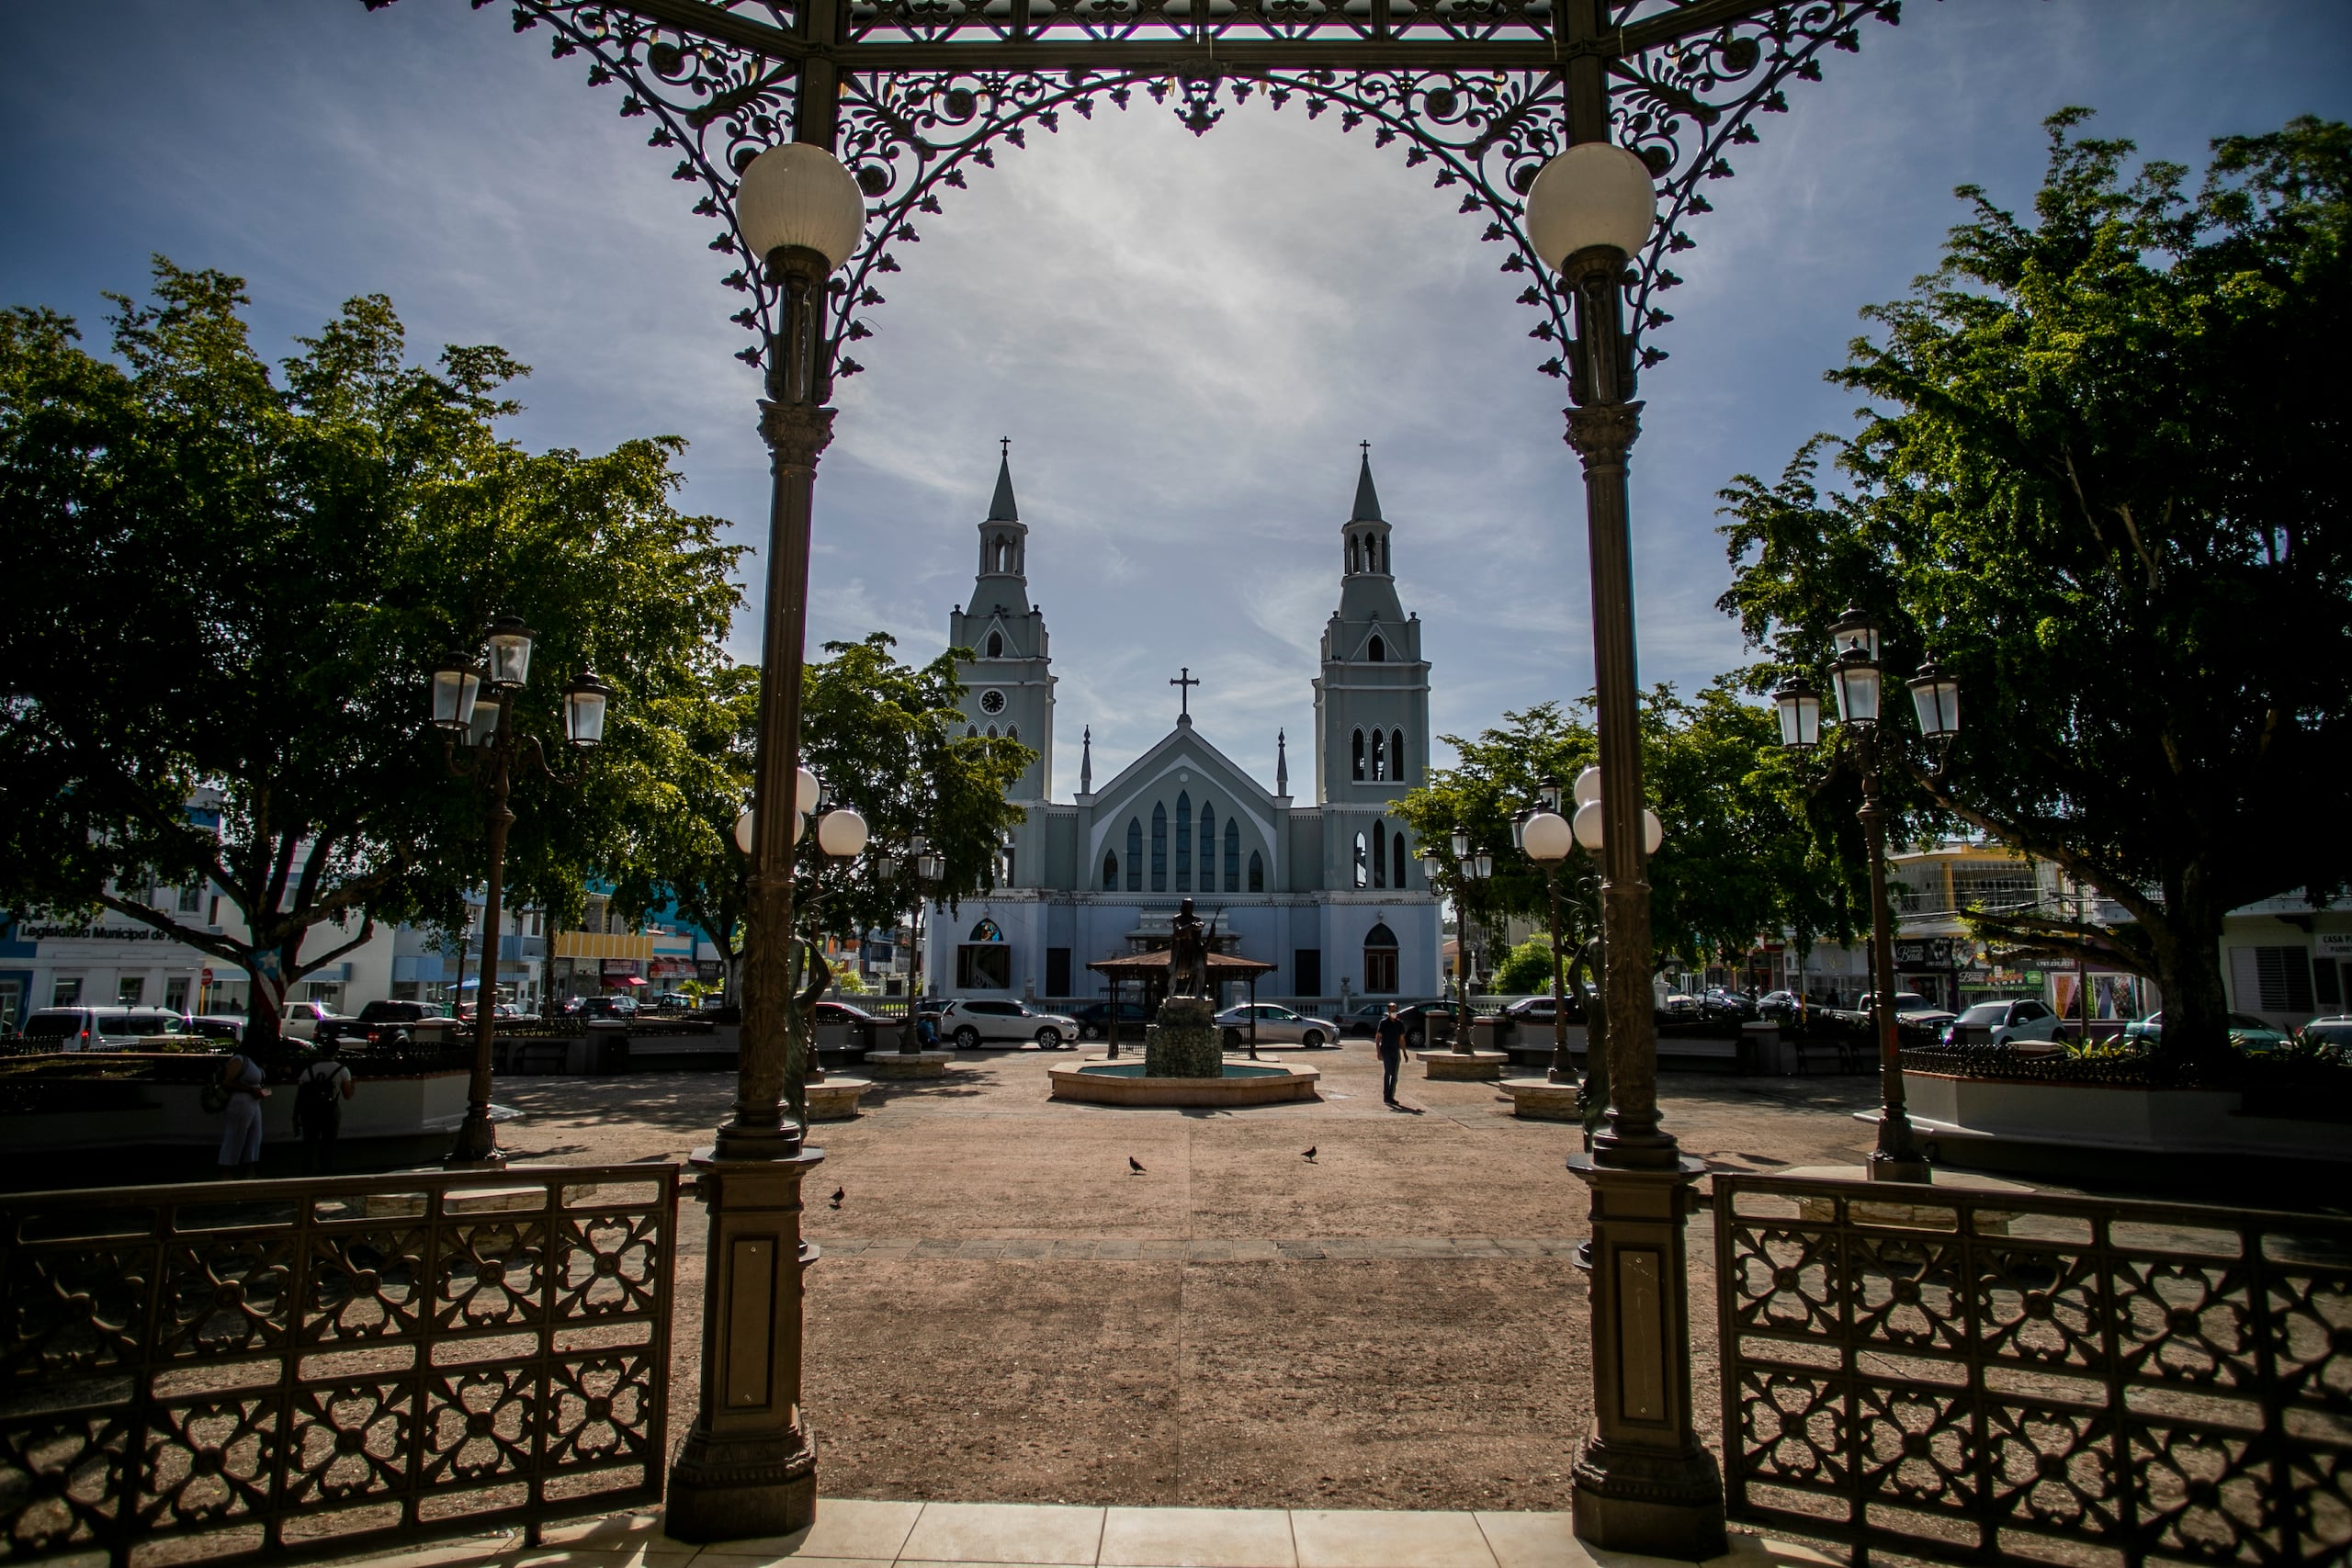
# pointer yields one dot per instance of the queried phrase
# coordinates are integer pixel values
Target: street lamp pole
(1644, 1482)
(459, 707)
(748, 1465)
(1859, 679)
(1545, 837)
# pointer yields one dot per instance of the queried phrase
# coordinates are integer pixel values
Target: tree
(1742, 854)
(1526, 970)
(231, 585)
(2100, 482)
(885, 739)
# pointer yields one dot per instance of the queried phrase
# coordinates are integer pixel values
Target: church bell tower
(1009, 681)
(1372, 702)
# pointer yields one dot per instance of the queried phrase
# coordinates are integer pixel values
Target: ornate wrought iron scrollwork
(719, 88)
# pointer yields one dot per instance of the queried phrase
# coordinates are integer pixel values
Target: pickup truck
(389, 1023)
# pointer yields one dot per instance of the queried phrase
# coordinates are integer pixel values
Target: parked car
(1094, 1019)
(1719, 1002)
(1535, 1013)
(971, 1023)
(1679, 1007)
(2003, 1023)
(97, 1028)
(390, 1024)
(1364, 1019)
(601, 1007)
(673, 1001)
(302, 1020)
(226, 1026)
(1913, 1012)
(2334, 1035)
(2248, 1033)
(1275, 1025)
(1779, 1005)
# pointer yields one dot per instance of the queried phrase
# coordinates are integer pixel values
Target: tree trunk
(264, 1011)
(2187, 944)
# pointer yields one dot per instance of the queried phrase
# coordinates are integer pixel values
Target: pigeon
(1309, 1155)
(1134, 1164)
(840, 1193)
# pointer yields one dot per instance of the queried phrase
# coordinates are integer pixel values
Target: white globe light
(808, 793)
(1588, 825)
(797, 194)
(1587, 786)
(799, 826)
(1593, 194)
(1548, 837)
(1653, 831)
(743, 831)
(841, 833)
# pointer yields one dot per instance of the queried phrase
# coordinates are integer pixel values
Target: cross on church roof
(1183, 682)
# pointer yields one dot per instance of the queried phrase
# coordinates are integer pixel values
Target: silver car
(1276, 1025)
(971, 1023)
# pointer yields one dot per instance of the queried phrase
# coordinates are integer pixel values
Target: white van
(97, 1029)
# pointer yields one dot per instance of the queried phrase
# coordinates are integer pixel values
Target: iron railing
(1989, 1376)
(271, 1370)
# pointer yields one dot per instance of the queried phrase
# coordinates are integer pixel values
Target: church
(1328, 890)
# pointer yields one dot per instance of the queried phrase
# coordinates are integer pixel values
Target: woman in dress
(240, 1140)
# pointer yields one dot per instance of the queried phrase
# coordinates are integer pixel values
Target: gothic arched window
(1352, 556)
(996, 644)
(1379, 959)
(971, 732)
(1012, 732)
(1109, 872)
(1362, 876)
(1379, 754)
(1158, 848)
(1183, 842)
(1257, 872)
(1379, 856)
(1396, 755)
(1209, 848)
(1396, 850)
(1135, 855)
(1359, 756)
(992, 732)
(1232, 855)
(1377, 650)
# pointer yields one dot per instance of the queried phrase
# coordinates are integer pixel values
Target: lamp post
(923, 870)
(1468, 869)
(485, 721)
(1857, 677)
(749, 1467)
(1546, 838)
(1643, 1481)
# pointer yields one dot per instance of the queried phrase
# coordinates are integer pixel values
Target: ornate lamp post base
(749, 1467)
(1645, 1484)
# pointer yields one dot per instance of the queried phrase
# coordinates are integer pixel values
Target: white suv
(2002, 1023)
(970, 1024)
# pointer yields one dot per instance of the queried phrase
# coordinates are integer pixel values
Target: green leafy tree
(885, 738)
(2100, 481)
(230, 583)
(1526, 970)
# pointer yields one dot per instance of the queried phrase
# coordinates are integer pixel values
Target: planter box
(2020, 1125)
(149, 1114)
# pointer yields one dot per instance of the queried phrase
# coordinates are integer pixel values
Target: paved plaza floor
(854, 1533)
(1005, 1312)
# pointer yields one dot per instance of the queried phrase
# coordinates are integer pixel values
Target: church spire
(1367, 499)
(1002, 509)
(1282, 763)
(1086, 763)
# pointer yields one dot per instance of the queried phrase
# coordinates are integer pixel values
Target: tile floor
(859, 1533)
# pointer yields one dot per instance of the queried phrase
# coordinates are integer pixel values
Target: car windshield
(1984, 1012)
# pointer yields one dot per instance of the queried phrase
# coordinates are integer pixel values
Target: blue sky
(1185, 338)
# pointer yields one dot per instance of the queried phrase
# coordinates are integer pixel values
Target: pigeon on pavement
(1134, 1164)
(1310, 1152)
(840, 1193)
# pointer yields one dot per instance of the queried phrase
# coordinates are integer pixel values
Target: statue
(800, 1028)
(1188, 955)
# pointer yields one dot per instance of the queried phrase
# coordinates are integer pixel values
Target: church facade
(1326, 889)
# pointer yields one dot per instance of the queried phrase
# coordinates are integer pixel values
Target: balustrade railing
(1986, 1376)
(223, 1372)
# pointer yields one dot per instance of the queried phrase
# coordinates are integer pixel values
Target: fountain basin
(1104, 1082)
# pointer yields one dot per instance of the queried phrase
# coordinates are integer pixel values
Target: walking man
(1389, 1034)
(319, 1094)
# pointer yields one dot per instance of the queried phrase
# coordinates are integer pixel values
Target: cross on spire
(1184, 681)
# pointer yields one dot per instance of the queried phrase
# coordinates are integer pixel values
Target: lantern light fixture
(1548, 837)
(456, 687)
(1855, 629)
(510, 654)
(796, 196)
(1799, 706)
(1936, 696)
(1593, 194)
(1856, 674)
(1588, 788)
(585, 701)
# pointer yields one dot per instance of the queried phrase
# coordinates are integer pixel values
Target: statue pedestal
(835, 1099)
(1541, 1099)
(1182, 1042)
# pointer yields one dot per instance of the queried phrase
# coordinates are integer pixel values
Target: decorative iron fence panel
(222, 1373)
(1990, 1376)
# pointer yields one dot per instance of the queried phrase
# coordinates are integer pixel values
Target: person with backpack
(319, 1092)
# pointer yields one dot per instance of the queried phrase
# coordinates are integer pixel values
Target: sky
(1185, 338)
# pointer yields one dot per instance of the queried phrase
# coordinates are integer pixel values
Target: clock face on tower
(991, 702)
